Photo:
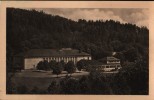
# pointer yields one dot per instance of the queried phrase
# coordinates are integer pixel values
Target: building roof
(52, 53)
(93, 62)
(112, 58)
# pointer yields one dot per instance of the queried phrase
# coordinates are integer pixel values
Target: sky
(138, 16)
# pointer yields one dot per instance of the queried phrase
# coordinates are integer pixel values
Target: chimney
(113, 53)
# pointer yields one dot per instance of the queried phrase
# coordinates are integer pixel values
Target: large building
(30, 59)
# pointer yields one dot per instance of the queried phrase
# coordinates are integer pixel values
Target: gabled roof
(52, 53)
(93, 62)
(112, 58)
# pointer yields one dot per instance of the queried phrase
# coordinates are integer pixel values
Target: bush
(35, 90)
(43, 65)
(70, 67)
(22, 89)
(53, 88)
(70, 86)
(81, 64)
(57, 69)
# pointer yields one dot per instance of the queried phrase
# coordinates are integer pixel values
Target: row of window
(111, 66)
(62, 58)
(113, 61)
(65, 59)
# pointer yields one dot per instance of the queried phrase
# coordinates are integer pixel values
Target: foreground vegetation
(131, 79)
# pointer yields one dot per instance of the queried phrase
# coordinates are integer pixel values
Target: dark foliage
(54, 88)
(133, 78)
(72, 88)
(35, 90)
(52, 64)
(43, 65)
(81, 64)
(22, 89)
(10, 85)
(92, 84)
(70, 67)
(58, 68)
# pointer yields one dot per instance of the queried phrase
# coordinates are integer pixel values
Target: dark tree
(70, 86)
(40, 65)
(35, 90)
(10, 85)
(70, 67)
(63, 64)
(52, 64)
(43, 65)
(57, 69)
(46, 65)
(134, 77)
(81, 64)
(85, 86)
(53, 88)
(22, 89)
(131, 55)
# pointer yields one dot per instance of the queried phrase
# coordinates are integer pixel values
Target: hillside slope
(32, 29)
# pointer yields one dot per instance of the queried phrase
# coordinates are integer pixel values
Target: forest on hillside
(31, 29)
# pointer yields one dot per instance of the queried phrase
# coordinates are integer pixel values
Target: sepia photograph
(81, 51)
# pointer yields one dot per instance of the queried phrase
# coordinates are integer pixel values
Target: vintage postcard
(76, 50)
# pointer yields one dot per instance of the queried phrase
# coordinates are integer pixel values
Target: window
(107, 67)
(112, 66)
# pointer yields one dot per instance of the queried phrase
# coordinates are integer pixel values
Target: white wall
(80, 58)
(89, 58)
(31, 62)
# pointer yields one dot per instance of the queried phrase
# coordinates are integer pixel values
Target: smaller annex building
(111, 63)
(31, 58)
(107, 64)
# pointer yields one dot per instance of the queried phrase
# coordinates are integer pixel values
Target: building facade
(112, 63)
(107, 64)
(30, 59)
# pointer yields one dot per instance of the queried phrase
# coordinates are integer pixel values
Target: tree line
(70, 66)
(57, 67)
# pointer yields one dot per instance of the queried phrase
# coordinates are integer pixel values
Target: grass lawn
(40, 79)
